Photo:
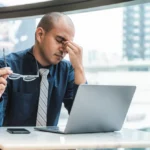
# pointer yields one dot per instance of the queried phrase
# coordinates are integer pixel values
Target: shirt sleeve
(71, 91)
(3, 105)
(3, 100)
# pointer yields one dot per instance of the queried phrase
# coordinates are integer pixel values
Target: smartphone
(18, 131)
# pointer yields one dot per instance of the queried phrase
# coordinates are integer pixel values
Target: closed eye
(60, 39)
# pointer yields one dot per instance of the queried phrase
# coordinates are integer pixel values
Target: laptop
(97, 108)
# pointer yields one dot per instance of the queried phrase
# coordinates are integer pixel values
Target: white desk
(37, 140)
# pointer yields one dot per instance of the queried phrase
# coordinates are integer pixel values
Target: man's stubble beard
(44, 56)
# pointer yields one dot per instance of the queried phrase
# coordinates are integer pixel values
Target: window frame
(41, 8)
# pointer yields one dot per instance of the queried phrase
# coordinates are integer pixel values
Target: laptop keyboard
(55, 129)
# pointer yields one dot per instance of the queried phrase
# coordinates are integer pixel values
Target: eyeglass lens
(15, 76)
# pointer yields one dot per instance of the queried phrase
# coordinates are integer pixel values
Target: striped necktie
(43, 98)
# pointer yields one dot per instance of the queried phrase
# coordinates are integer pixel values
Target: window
(147, 37)
(136, 15)
(147, 14)
(107, 58)
(147, 22)
(136, 38)
(136, 23)
(147, 29)
(147, 45)
(136, 30)
(135, 8)
(147, 8)
(136, 45)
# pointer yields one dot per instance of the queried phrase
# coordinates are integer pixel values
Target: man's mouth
(60, 56)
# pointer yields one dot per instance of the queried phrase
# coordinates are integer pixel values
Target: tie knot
(44, 72)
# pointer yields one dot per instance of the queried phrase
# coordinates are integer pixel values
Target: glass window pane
(115, 50)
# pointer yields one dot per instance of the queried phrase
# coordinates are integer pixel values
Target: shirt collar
(52, 68)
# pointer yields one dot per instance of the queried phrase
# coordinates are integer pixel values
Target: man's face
(51, 43)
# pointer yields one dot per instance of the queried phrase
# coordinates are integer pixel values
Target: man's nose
(62, 48)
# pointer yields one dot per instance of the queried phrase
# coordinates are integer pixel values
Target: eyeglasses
(15, 76)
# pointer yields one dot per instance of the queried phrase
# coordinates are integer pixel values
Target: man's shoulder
(14, 57)
(17, 55)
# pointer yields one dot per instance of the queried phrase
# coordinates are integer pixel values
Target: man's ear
(39, 34)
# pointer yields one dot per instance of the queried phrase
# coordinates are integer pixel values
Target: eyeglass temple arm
(4, 57)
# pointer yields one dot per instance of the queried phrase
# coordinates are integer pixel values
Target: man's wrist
(79, 68)
(79, 75)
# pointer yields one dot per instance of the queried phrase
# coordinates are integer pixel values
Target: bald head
(50, 20)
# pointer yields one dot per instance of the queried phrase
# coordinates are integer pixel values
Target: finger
(71, 46)
(76, 48)
(3, 81)
(75, 45)
(5, 71)
(5, 76)
(69, 50)
(2, 87)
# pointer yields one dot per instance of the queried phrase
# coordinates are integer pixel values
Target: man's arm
(76, 75)
(3, 104)
(4, 72)
(70, 91)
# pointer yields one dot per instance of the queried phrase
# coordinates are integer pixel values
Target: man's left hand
(75, 55)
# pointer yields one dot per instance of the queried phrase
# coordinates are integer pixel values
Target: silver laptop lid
(99, 108)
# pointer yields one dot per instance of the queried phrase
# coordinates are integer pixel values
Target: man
(21, 99)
